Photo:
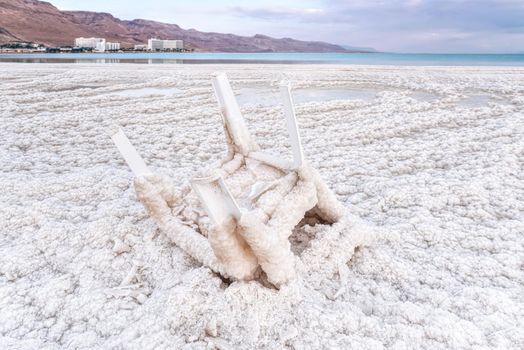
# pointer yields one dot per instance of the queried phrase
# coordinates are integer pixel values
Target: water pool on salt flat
(74, 87)
(475, 101)
(318, 95)
(147, 91)
(424, 96)
(268, 97)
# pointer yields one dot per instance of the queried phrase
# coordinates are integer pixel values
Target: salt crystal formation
(252, 201)
(82, 265)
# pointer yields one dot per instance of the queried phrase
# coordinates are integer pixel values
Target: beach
(431, 157)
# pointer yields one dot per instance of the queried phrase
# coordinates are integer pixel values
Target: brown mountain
(41, 22)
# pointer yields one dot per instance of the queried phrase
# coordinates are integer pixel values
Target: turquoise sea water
(328, 58)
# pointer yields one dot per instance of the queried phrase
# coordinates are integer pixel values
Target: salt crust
(83, 266)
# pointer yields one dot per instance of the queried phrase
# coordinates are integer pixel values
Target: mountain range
(41, 22)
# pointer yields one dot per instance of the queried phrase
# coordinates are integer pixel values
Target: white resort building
(140, 47)
(161, 45)
(97, 44)
(112, 46)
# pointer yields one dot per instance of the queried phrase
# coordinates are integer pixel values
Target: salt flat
(433, 157)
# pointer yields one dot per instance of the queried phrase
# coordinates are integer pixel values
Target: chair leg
(231, 250)
(294, 137)
(233, 120)
(291, 124)
(131, 156)
(216, 198)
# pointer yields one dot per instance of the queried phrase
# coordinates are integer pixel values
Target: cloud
(278, 13)
(416, 14)
(425, 25)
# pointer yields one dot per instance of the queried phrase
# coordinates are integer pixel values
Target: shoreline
(347, 59)
(220, 65)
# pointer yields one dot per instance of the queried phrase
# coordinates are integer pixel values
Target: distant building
(112, 46)
(20, 45)
(162, 45)
(140, 47)
(97, 44)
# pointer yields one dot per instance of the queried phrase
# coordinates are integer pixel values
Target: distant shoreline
(373, 58)
(176, 53)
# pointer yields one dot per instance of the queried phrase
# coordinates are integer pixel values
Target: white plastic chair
(251, 203)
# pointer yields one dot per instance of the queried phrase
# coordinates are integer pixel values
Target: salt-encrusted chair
(237, 218)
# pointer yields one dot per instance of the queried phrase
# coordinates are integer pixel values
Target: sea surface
(324, 58)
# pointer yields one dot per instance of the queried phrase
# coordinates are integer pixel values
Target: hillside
(41, 22)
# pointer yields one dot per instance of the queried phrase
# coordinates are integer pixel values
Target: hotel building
(161, 45)
(97, 44)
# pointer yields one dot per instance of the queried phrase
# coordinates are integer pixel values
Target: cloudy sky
(387, 25)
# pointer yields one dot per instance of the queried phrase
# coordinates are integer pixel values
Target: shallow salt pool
(263, 96)
(475, 101)
(268, 97)
(424, 96)
(148, 91)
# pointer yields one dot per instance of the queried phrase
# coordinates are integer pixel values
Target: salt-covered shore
(434, 157)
